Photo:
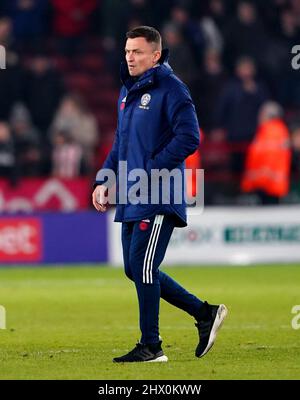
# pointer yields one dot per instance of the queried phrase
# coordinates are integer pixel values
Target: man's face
(245, 70)
(140, 55)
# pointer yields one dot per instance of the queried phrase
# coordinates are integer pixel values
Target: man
(157, 129)
(268, 159)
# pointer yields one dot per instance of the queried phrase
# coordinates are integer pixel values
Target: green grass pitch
(68, 323)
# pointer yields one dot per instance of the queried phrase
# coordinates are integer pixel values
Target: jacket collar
(150, 76)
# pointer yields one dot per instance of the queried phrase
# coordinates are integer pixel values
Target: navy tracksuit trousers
(144, 246)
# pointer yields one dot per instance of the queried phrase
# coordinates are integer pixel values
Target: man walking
(157, 129)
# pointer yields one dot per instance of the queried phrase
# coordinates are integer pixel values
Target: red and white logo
(122, 106)
(20, 239)
(144, 224)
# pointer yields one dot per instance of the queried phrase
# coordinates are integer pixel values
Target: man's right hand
(99, 199)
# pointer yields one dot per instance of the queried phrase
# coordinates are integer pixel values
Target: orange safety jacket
(268, 160)
(192, 162)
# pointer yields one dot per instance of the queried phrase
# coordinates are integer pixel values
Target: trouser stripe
(154, 249)
(154, 228)
(148, 261)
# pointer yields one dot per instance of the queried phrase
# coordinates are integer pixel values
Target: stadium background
(58, 97)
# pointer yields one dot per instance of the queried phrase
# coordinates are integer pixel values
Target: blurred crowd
(235, 56)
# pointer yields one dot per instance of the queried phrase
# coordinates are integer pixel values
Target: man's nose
(130, 57)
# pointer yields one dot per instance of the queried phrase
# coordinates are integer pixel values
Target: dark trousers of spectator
(267, 199)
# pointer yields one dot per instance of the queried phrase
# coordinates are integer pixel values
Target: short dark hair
(148, 32)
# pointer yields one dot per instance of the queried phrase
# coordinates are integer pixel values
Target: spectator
(42, 92)
(212, 35)
(288, 82)
(240, 101)
(74, 117)
(296, 8)
(237, 110)
(276, 65)
(71, 22)
(11, 78)
(148, 12)
(67, 158)
(218, 12)
(5, 32)
(245, 34)
(181, 58)
(7, 157)
(267, 168)
(208, 87)
(138, 9)
(289, 28)
(191, 30)
(29, 157)
(29, 19)
(270, 11)
(112, 30)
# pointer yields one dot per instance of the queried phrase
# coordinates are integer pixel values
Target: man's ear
(157, 56)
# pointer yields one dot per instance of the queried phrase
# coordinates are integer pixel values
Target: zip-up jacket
(157, 129)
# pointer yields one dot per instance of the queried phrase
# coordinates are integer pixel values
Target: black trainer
(144, 353)
(208, 328)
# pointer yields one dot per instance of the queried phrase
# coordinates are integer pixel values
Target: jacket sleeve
(182, 118)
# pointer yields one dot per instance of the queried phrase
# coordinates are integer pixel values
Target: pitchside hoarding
(218, 236)
(228, 235)
(39, 194)
(21, 240)
(45, 221)
(79, 237)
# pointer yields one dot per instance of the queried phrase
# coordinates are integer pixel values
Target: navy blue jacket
(157, 128)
